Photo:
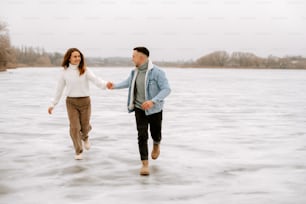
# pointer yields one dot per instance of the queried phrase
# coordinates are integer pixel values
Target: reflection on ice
(229, 136)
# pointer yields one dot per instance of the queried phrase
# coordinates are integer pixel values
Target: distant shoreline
(38, 57)
(180, 67)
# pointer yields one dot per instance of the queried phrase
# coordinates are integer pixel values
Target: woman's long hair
(65, 63)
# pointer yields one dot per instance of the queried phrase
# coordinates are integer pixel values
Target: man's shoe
(144, 171)
(156, 151)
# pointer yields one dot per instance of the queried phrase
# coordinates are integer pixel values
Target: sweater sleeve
(59, 90)
(95, 80)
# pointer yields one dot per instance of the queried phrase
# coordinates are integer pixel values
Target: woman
(75, 77)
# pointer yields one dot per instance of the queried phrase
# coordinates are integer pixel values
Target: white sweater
(76, 85)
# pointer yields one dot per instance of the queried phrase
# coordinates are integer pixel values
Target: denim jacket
(157, 88)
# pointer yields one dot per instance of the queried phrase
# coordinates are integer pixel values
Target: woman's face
(75, 58)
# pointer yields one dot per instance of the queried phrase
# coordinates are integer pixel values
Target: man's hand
(110, 85)
(147, 105)
(50, 109)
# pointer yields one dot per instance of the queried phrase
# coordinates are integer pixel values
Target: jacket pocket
(153, 88)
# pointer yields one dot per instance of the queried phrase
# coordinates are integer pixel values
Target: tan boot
(156, 151)
(144, 171)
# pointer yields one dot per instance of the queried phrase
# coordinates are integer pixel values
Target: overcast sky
(171, 29)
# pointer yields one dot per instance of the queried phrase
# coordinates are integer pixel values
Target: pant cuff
(156, 142)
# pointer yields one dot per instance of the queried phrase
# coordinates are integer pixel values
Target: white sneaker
(78, 157)
(87, 144)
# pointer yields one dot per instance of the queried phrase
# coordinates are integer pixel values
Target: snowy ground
(229, 136)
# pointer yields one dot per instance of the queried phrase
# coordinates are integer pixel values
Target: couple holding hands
(147, 85)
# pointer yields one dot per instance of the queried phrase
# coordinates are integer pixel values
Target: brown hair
(65, 63)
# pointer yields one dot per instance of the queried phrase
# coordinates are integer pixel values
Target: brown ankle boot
(156, 151)
(144, 171)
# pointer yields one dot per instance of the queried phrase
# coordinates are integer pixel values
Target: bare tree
(4, 45)
(6, 52)
(272, 62)
(245, 59)
(217, 59)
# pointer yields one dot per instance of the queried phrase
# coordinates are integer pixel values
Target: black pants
(142, 122)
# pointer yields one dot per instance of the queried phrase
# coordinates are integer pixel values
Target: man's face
(138, 58)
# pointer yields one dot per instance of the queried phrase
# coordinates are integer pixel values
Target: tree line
(24, 56)
(37, 57)
(250, 60)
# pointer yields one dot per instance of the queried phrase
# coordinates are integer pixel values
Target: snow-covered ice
(229, 136)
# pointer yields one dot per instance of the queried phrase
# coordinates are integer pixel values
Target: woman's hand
(50, 109)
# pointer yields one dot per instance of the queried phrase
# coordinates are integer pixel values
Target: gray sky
(171, 29)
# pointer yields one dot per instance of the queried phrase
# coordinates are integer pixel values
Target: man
(148, 87)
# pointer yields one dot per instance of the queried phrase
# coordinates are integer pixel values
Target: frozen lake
(229, 136)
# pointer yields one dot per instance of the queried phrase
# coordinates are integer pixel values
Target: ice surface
(229, 136)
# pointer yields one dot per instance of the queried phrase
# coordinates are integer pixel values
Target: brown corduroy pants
(79, 111)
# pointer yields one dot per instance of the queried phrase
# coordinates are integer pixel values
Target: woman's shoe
(87, 144)
(78, 157)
